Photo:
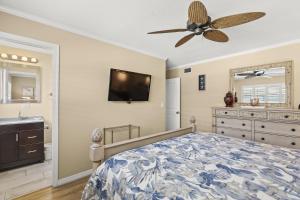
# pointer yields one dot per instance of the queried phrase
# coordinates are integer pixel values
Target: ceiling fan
(200, 23)
(254, 73)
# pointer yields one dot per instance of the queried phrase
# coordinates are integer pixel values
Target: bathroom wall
(44, 108)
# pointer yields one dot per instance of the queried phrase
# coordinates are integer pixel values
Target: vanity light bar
(14, 57)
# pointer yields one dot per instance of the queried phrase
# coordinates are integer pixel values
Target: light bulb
(33, 60)
(25, 59)
(14, 57)
(4, 55)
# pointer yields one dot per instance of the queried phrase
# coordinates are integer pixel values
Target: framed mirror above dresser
(272, 84)
(274, 121)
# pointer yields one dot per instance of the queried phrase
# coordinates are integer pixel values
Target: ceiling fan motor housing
(198, 28)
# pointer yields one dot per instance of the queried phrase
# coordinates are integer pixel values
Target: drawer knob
(226, 113)
(262, 126)
(243, 136)
(243, 124)
(222, 122)
(293, 143)
(33, 151)
(286, 116)
(293, 130)
(222, 132)
(262, 138)
(252, 114)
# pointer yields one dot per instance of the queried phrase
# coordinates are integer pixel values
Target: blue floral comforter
(199, 166)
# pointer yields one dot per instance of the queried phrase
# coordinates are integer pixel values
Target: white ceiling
(127, 22)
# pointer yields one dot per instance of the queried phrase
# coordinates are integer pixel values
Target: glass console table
(115, 129)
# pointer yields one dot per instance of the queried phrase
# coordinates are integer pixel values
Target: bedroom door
(173, 104)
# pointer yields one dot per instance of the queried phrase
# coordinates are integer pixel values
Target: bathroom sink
(21, 120)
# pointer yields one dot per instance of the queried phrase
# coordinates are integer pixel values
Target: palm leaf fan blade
(235, 20)
(216, 35)
(197, 13)
(168, 31)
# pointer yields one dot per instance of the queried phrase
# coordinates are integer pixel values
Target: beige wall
(41, 109)
(199, 103)
(84, 76)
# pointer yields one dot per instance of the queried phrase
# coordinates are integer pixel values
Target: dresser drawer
(31, 151)
(281, 115)
(234, 123)
(234, 133)
(297, 116)
(253, 114)
(31, 126)
(225, 112)
(278, 128)
(31, 137)
(278, 140)
(4, 129)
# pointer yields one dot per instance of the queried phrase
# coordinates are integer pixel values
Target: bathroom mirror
(19, 83)
(272, 84)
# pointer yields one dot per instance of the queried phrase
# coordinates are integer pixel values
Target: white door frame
(53, 50)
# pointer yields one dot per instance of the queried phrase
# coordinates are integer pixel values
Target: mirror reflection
(19, 83)
(268, 85)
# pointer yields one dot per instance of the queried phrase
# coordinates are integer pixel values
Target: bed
(198, 166)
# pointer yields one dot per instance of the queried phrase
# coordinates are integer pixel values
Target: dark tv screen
(128, 86)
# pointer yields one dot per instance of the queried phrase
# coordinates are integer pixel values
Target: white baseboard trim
(75, 177)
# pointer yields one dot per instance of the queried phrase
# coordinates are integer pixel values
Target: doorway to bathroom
(29, 77)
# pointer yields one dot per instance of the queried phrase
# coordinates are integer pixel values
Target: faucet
(20, 115)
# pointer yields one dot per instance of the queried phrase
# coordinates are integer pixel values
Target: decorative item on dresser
(236, 99)
(254, 101)
(273, 126)
(229, 99)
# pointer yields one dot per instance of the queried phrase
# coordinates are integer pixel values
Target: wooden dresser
(273, 126)
(21, 144)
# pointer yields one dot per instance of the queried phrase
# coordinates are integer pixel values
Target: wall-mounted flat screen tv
(128, 86)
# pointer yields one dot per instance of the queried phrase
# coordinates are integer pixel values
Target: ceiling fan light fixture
(14, 57)
(200, 23)
(4, 55)
(33, 60)
(18, 58)
(24, 58)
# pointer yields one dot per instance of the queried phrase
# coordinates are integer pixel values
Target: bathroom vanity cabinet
(21, 144)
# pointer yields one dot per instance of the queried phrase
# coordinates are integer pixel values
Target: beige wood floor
(71, 191)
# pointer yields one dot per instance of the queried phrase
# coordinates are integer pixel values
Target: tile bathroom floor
(17, 182)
